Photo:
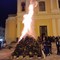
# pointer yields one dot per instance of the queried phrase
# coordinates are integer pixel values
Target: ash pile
(27, 46)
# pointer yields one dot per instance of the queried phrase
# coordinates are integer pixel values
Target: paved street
(5, 53)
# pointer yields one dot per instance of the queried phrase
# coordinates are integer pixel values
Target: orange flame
(27, 21)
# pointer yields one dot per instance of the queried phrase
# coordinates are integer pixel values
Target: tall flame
(27, 21)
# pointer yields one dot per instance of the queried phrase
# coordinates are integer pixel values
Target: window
(43, 30)
(23, 6)
(59, 3)
(41, 6)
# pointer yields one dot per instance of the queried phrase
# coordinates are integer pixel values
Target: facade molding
(54, 27)
(54, 10)
(51, 5)
(42, 16)
(58, 25)
(41, 0)
(57, 5)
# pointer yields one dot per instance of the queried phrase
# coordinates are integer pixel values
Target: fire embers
(27, 46)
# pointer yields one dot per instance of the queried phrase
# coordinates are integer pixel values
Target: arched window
(23, 6)
(59, 3)
(41, 6)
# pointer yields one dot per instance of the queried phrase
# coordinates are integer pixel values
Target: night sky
(7, 7)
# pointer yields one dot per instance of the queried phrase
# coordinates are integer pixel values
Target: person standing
(58, 45)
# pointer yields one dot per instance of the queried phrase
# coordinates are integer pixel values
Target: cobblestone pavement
(6, 53)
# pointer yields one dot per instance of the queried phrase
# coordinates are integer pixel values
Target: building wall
(50, 18)
(40, 18)
(44, 22)
(2, 32)
(11, 29)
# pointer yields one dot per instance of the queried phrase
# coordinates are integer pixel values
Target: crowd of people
(30, 46)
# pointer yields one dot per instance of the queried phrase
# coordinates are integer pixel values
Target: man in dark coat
(58, 45)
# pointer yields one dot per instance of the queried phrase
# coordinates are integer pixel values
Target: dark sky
(7, 7)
